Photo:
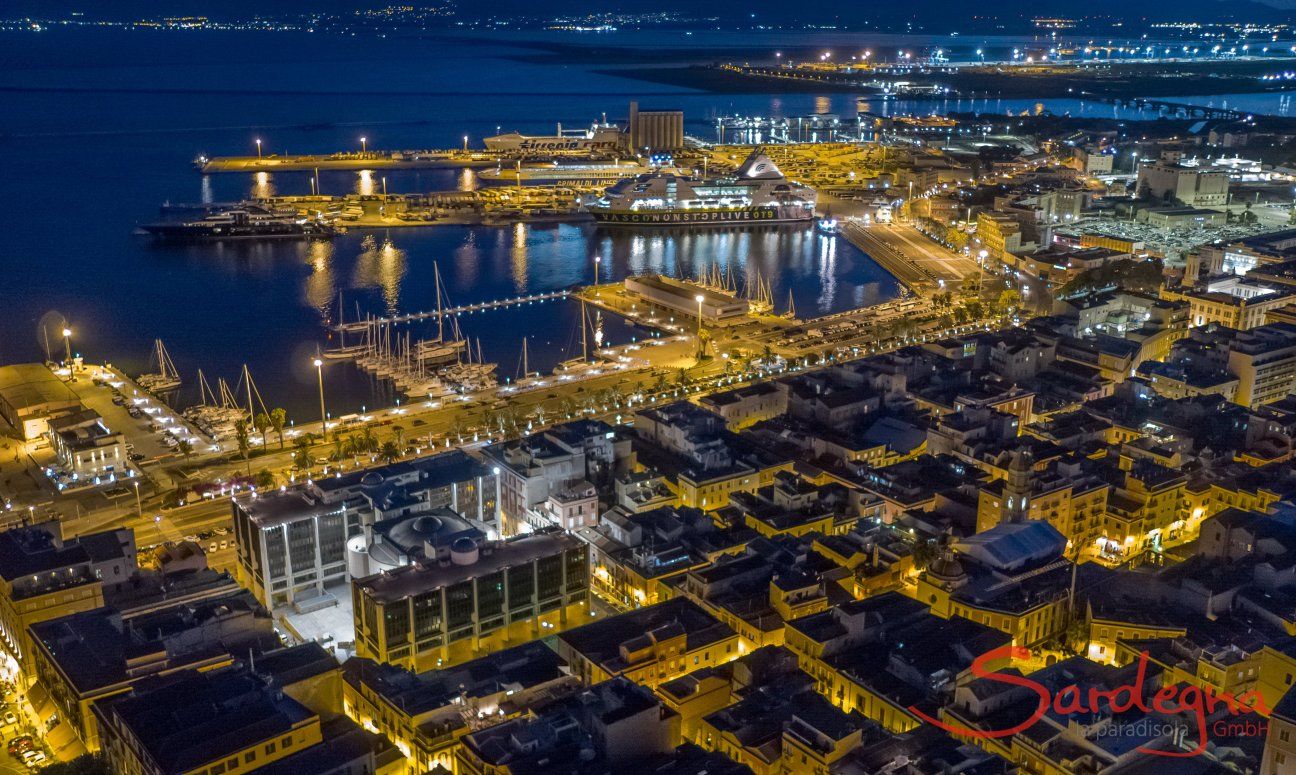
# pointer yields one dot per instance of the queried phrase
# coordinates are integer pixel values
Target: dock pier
(481, 306)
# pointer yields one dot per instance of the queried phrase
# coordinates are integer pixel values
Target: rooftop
(425, 575)
(190, 718)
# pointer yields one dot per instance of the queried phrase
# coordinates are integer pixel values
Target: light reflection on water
(320, 285)
(381, 267)
(262, 186)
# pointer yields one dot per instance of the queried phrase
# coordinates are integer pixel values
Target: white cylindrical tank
(358, 557)
(463, 551)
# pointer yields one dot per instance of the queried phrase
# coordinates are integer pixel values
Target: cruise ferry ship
(757, 193)
(598, 138)
(570, 174)
(244, 221)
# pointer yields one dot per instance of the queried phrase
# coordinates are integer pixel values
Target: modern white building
(85, 447)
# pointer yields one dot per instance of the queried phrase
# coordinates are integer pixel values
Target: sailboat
(166, 377)
(572, 366)
(439, 350)
(759, 294)
(343, 351)
(216, 410)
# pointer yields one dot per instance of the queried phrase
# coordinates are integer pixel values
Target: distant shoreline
(1149, 82)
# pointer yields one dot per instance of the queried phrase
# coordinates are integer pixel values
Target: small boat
(828, 225)
(166, 377)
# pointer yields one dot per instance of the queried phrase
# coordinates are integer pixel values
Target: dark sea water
(98, 128)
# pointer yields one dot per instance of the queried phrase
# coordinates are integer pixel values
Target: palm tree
(265, 479)
(337, 445)
(278, 419)
(241, 437)
(186, 448)
(682, 378)
(399, 432)
(368, 439)
(659, 384)
(262, 424)
(302, 457)
(389, 452)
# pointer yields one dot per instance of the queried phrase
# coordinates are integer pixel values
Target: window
(286, 742)
(232, 763)
(249, 757)
(270, 748)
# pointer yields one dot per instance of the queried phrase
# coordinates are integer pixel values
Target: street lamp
(465, 143)
(258, 142)
(364, 145)
(597, 259)
(67, 344)
(138, 509)
(319, 370)
(698, 298)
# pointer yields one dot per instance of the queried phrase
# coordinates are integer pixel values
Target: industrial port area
(849, 428)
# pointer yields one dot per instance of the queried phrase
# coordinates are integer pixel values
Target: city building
(481, 597)
(1091, 160)
(1182, 217)
(881, 656)
(1091, 239)
(532, 467)
(291, 547)
(653, 131)
(1263, 359)
(44, 577)
(30, 396)
(747, 405)
(85, 447)
(634, 553)
(704, 462)
(88, 657)
(426, 714)
(1188, 185)
(232, 720)
(649, 645)
(400, 541)
(611, 727)
(785, 726)
(678, 298)
(450, 480)
(1000, 234)
(293, 544)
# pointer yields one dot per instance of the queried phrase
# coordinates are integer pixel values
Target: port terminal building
(716, 309)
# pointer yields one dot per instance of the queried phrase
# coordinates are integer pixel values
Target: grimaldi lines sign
(671, 217)
(1196, 702)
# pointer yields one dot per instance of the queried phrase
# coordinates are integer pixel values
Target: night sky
(772, 10)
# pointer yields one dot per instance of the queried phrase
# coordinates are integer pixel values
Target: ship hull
(185, 233)
(746, 215)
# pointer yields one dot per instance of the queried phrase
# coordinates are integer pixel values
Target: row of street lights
(364, 145)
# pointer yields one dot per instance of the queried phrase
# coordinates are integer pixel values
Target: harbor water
(100, 128)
